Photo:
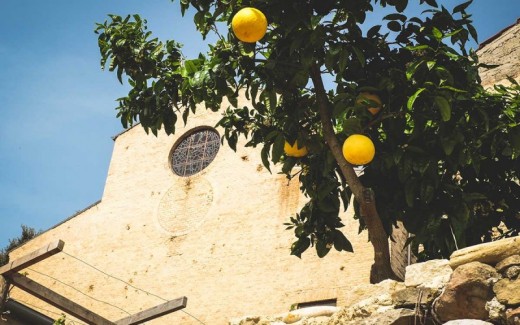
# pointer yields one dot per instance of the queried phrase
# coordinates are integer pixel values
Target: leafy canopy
(447, 151)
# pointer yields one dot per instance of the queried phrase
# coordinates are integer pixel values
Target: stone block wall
(479, 285)
(504, 50)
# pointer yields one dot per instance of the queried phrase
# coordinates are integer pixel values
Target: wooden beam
(34, 288)
(32, 258)
(154, 312)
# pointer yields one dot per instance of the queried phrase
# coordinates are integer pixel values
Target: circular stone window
(195, 151)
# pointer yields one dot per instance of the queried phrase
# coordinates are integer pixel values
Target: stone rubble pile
(478, 285)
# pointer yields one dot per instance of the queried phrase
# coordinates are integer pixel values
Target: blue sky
(57, 106)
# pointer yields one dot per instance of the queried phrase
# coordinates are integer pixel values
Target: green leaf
(322, 248)
(444, 107)
(394, 26)
(395, 17)
(359, 56)
(265, 157)
(448, 145)
(453, 89)
(413, 68)
(400, 5)
(472, 32)
(268, 97)
(514, 138)
(437, 33)
(417, 47)
(190, 67)
(412, 98)
(352, 125)
(278, 145)
(410, 188)
(427, 193)
(470, 197)
(372, 32)
(462, 6)
(300, 246)
(341, 243)
(432, 3)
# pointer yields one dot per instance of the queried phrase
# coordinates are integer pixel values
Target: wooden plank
(32, 258)
(56, 300)
(154, 312)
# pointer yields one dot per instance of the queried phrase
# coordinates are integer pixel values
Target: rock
(255, 320)
(512, 272)
(430, 274)
(298, 314)
(371, 305)
(386, 316)
(490, 253)
(248, 320)
(320, 320)
(466, 293)
(496, 311)
(513, 316)
(513, 260)
(363, 309)
(391, 317)
(467, 322)
(508, 291)
(411, 296)
(361, 292)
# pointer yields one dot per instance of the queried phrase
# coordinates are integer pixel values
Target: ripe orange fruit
(358, 149)
(249, 25)
(372, 97)
(294, 151)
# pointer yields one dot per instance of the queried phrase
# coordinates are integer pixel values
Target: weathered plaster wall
(235, 257)
(504, 50)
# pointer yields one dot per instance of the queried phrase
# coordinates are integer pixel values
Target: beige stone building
(216, 236)
(503, 49)
(184, 216)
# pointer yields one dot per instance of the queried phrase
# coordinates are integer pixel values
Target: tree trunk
(377, 235)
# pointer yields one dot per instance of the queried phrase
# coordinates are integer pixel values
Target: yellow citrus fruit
(358, 149)
(249, 25)
(372, 97)
(294, 151)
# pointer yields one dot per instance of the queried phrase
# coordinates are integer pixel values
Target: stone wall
(504, 50)
(477, 286)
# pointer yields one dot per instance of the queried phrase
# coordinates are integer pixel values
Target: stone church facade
(215, 236)
(208, 226)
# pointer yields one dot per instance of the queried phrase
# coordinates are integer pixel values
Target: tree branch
(330, 137)
(377, 235)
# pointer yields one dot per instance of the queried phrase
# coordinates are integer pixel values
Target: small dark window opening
(327, 302)
(195, 151)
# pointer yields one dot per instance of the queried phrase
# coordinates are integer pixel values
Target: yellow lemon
(249, 25)
(372, 97)
(358, 149)
(294, 151)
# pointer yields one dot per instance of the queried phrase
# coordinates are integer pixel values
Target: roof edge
(497, 35)
(124, 131)
(58, 224)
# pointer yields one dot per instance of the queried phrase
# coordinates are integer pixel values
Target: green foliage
(28, 233)
(61, 321)
(446, 150)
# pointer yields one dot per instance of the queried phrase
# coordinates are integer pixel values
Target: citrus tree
(402, 100)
